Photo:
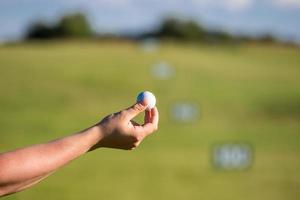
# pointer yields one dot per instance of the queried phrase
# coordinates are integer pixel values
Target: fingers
(154, 117)
(151, 123)
(147, 116)
(135, 109)
(151, 119)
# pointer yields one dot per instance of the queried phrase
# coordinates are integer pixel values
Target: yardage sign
(232, 156)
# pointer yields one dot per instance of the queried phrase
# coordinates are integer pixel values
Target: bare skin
(24, 167)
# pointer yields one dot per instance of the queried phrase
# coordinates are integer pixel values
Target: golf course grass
(246, 93)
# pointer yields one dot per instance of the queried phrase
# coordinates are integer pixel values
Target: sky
(254, 17)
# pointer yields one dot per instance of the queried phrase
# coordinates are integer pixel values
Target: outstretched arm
(22, 168)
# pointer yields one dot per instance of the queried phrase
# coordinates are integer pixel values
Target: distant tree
(267, 38)
(69, 26)
(40, 30)
(190, 31)
(184, 30)
(219, 36)
(75, 25)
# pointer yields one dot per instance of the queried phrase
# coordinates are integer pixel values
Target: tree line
(77, 26)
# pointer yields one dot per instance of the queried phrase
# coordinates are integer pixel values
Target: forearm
(24, 167)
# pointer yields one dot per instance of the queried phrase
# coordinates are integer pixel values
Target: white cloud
(237, 5)
(231, 5)
(287, 3)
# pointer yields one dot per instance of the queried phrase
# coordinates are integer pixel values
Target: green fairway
(248, 93)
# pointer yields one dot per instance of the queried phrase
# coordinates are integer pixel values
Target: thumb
(136, 109)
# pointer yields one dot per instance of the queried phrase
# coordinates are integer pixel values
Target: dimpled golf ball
(148, 97)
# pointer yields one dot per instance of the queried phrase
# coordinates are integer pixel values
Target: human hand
(119, 131)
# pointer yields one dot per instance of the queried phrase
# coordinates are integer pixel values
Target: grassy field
(248, 93)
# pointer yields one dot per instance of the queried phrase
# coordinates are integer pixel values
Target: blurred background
(226, 75)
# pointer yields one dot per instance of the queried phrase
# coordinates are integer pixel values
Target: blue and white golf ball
(147, 97)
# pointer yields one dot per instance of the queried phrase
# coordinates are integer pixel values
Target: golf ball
(148, 97)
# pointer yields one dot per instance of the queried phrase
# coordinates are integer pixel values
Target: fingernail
(143, 103)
